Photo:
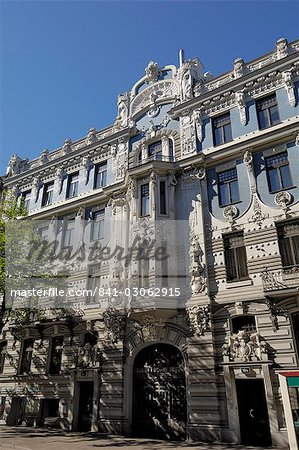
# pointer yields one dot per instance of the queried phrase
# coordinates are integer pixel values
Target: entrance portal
(253, 413)
(159, 393)
(85, 405)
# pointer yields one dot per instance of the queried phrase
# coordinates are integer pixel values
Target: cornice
(236, 85)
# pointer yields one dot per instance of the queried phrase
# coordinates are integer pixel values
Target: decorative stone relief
(117, 202)
(188, 134)
(91, 136)
(150, 328)
(198, 276)
(199, 319)
(80, 212)
(275, 312)
(230, 213)
(154, 109)
(152, 72)
(248, 159)
(35, 188)
(132, 188)
(189, 72)
(85, 165)
(123, 111)
(43, 159)
(289, 86)
(66, 148)
(166, 89)
(283, 199)
(258, 216)
(297, 140)
(115, 322)
(244, 347)
(240, 99)
(17, 165)
(282, 48)
(239, 68)
(59, 178)
(89, 356)
(198, 124)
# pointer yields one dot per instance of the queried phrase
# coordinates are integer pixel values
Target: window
(228, 187)
(243, 323)
(3, 347)
(155, 150)
(73, 183)
(288, 240)
(93, 281)
(222, 129)
(278, 172)
(69, 231)
(26, 197)
(144, 204)
(235, 257)
(295, 322)
(171, 157)
(100, 175)
(143, 271)
(162, 197)
(27, 351)
(267, 111)
(56, 355)
(48, 194)
(97, 227)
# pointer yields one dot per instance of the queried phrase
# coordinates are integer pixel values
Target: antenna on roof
(181, 57)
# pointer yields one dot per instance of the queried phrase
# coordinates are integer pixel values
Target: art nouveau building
(209, 167)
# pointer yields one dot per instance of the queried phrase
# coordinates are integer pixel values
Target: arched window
(243, 323)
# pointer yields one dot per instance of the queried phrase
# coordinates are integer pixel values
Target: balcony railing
(280, 280)
(155, 157)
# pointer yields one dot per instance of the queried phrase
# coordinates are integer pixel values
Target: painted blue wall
(244, 191)
(261, 176)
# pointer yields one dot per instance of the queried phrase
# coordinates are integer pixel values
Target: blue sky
(64, 63)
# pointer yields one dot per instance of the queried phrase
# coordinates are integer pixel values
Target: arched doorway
(159, 393)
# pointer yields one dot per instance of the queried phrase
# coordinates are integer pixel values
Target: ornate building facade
(218, 155)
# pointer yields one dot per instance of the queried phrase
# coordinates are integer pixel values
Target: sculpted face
(187, 84)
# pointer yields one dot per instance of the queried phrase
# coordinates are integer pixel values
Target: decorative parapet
(244, 347)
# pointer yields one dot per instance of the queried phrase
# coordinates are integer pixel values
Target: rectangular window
(3, 347)
(155, 150)
(222, 129)
(26, 197)
(69, 231)
(162, 197)
(100, 175)
(228, 188)
(278, 172)
(56, 349)
(267, 111)
(235, 257)
(48, 194)
(73, 183)
(143, 272)
(93, 281)
(144, 203)
(288, 240)
(26, 358)
(97, 227)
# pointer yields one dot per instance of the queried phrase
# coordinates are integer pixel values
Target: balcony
(155, 157)
(279, 283)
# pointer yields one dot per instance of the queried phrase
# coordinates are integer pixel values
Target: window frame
(260, 107)
(99, 221)
(153, 155)
(221, 126)
(24, 360)
(228, 187)
(97, 175)
(234, 263)
(52, 348)
(142, 196)
(46, 193)
(163, 198)
(68, 220)
(70, 183)
(290, 247)
(277, 168)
